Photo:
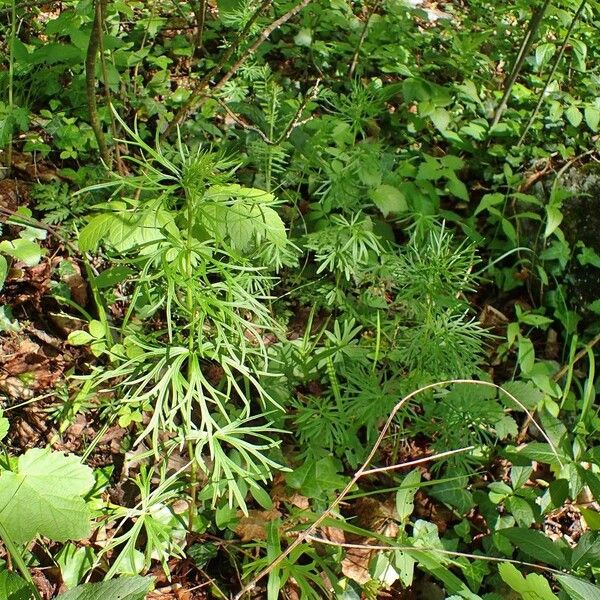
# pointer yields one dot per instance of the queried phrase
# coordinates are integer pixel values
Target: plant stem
(190, 103)
(199, 9)
(524, 48)
(18, 560)
(107, 94)
(11, 74)
(552, 72)
(90, 81)
(193, 490)
(363, 35)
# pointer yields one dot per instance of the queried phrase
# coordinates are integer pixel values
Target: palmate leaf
(44, 497)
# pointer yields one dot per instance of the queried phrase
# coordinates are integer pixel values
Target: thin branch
(363, 35)
(408, 549)
(540, 101)
(107, 94)
(581, 354)
(190, 103)
(524, 48)
(363, 470)
(90, 80)
(199, 9)
(264, 35)
(197, 99)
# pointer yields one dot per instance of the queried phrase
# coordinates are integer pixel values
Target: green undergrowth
(322, 279)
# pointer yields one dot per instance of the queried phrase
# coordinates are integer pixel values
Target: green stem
(193, 490)
(18, 560)
(102, 317)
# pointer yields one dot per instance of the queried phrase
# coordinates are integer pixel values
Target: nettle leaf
(94, 232)
(24, 250)
(315, 479)
(13, 587)
(587, 550)
(124, 588)
(45, 497)
(578, 589)
(574, 116)
(388, 199)
(535, 544)
(592, 117)
(532, 587)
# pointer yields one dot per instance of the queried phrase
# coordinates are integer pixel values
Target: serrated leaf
(532, 587)
(316, 478)
(587, 550)
(521, 510)
(94, 232)
(79, 338)
(124, 588)
(457, 188)
(13, 587)
(440, 118)
(543, 53)
(578, 589)
(406, 494)
(524, 391)
(506, 427)
(24, 250)
(488, 201)
(592, 117)
(536, 545)
(45, 497)
(388, 199)
(574, 116)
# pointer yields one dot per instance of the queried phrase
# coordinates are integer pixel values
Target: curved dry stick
(363, 470)
(408, 549)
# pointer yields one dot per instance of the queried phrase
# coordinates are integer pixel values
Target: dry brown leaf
(254, 525)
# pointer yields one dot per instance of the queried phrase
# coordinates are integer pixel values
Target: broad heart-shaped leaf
(592, 117)
(124, 588)
(44, 497)
(578, 589)
(532, 587)
(13, 587)
(536, 545)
